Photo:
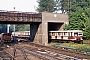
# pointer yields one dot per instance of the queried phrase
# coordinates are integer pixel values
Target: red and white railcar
(21, 35)
(69, 35)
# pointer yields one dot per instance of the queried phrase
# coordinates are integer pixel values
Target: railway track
(74, 50)
(62, 51)
(41, 55)
(25, 52)
(29, 51)
(5, 55)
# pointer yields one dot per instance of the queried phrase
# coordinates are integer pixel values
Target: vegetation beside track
(85, 47)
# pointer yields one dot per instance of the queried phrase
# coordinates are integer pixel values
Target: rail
(62, 51)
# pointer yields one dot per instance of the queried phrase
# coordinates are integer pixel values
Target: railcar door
(65, 36)
(59, 35)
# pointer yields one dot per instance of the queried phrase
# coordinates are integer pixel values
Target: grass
(86, 41)
(80, 47)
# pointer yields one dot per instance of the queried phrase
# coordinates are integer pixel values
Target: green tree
(79, 21)
(71, 5)
(65, 5)
(87, 30)
(46, 5)
(3, 28)
(22, 27)
(58, 5)
(79, 17)
(87, 11)
(76, 20)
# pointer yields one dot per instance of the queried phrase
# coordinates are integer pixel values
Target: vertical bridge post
(33, 30)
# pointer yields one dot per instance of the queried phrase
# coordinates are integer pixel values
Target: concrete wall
(52, 17)
(38, 36)
(35, 33)
(39, 32)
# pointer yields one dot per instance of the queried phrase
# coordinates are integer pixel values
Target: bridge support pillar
(33, 30)
(36, 33)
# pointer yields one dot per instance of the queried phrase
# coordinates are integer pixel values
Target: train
(9, 37)
(66, 35)
(5, 37)
(21, 35)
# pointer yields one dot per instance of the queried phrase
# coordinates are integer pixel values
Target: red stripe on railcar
(61, 37)
(71, 37)
(78, 37)
(50, 37)
(55, 37)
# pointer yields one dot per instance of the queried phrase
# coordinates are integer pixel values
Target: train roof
(67, 31)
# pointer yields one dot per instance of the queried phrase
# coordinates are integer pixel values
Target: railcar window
(68, 33)
(9, 34)
(50, 33)
(76, 34)
(65, 34)
(80, 34)
(71, 33)
(59, 33)
(53, 34)
(4, 34)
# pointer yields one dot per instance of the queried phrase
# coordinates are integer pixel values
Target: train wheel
(80, 42)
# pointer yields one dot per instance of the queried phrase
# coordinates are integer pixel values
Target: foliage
(22, 27)
(3, 28)
(45, 5)
(79, 21)
(58, 5)
(87, 30)
(71, 5)
(79, 17)
(18, 27)
(73, 46)
(65, 5)
(87, 11)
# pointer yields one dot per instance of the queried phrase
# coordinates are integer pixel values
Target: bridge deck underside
(20, 16)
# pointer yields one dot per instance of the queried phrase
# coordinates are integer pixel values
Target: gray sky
(20, 5)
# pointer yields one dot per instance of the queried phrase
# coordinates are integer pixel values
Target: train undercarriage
(65, 41)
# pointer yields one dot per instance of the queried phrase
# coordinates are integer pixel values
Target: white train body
(21, 35)
(74, 35)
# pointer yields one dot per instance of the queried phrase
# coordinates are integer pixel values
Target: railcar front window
(80, 34)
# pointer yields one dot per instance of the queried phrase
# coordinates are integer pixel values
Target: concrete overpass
(40, 23)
